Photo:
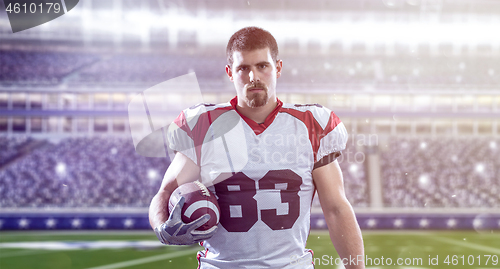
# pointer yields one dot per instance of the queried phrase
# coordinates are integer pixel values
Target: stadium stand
(39, 68)
(81, 172)
(441, 172)
(355, 176)
(380, 71)
(11, 148)
(140, 69)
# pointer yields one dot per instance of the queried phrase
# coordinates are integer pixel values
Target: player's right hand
(175, 232)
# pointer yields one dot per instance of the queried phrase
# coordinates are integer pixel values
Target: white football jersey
(262, 177)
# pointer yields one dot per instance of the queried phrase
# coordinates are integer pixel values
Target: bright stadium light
(61, 169)
(152, 174)
(423, 145)
(480, 168)
(353, 168)
(413, 2)
(416, 72)
(141, 19)
(423, 181)
(493, 145)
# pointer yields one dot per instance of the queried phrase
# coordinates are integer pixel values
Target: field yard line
(145, 260)
(467, 244)
(22, 253)
(76, 232)
(392, 232)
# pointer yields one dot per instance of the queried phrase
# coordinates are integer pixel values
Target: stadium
(416, 83)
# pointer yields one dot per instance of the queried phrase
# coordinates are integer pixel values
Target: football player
(264, 160)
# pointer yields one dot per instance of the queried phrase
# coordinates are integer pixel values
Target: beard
(257, 99)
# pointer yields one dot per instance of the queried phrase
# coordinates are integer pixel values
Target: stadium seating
(82, 172)
(11, 148)
(126, 70)
(352, 163)
(354, 175)
(441, 173)
(380, 72)
(39, 67)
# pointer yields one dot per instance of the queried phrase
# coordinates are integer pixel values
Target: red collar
(256, 127)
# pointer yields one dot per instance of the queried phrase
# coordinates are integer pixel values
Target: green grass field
(459, 249)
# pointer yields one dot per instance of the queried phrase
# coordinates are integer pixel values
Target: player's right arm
(181, 170)
(171, 230)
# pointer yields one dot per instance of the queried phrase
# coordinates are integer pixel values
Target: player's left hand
(175, 232)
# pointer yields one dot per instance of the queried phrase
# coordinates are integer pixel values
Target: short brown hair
(251, 38)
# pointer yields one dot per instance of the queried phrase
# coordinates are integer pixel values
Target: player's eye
(262, 66)
(242, 68)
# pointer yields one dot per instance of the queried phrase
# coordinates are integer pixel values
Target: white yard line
(76, 232)
(21, 253)
(393, 232)
(466, 244)
(146, 260)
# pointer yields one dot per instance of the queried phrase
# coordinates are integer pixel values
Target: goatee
(258, 98)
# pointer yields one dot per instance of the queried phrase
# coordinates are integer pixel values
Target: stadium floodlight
(424, 181)
(493, 145)
(61, 169)
(423, 145)
(353, 168)
(152, 174)
(480, 167)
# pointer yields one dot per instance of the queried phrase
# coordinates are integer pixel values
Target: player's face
(254, 75)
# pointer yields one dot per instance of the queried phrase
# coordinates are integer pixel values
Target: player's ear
(279, 67)
(229, 72)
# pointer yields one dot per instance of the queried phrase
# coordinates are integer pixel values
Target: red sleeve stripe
(332, 123)
(182, 123)
(198, 133)
(316, 133)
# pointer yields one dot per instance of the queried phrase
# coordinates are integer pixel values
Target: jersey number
(239, 211)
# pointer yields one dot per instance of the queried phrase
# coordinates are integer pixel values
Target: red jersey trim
(312, 255)
(316, 133)
(332, 123)
(198, 257)
(200, 129)
(256, 127)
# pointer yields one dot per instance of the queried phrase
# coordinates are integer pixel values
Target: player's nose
(254, 77)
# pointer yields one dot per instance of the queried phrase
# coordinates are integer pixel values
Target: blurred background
(416, 82)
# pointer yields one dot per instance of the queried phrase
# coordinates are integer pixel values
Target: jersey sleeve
(180, 137)
(332, 140)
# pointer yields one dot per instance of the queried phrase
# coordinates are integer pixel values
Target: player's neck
(258, 114)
